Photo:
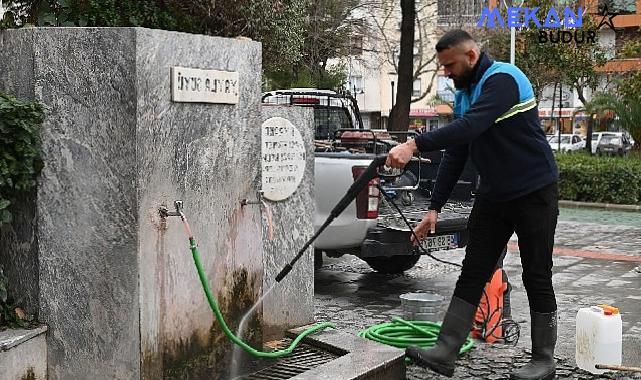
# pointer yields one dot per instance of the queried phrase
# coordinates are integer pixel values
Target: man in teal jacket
(497, 126)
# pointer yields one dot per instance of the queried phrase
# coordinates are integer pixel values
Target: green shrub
(600, 179)
(19, 149)
(12, 316)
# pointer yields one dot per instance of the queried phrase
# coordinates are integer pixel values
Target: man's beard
(464, 80)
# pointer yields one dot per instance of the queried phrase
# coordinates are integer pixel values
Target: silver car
(613, 144)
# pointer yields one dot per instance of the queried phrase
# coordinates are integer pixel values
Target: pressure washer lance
(370, 173)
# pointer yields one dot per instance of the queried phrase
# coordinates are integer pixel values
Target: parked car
(596, 137)
(611, 144)
(569, 143)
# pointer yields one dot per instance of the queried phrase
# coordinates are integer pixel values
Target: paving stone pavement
(599, 237)
(354, 297)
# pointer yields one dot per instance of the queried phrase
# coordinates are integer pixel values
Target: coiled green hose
(402, 334)
(214, 307)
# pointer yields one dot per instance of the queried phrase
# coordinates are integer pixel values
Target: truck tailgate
(332, 177)
(392, 236)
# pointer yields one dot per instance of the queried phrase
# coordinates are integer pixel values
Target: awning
(439, 110)
(443, 109)
(620, 66)
(423, 112)
(565, 112)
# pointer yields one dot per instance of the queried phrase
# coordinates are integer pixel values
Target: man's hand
(427, 225)
(400, 155)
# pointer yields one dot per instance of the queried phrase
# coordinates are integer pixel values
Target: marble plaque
(283, 158)
(204, 86)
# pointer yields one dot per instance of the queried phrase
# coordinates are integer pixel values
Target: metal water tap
(258, 201)
(164, 212)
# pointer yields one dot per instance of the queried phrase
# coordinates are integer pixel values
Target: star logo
(608, 17)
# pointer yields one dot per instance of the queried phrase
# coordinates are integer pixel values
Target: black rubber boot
(454, 330)
(542, 365)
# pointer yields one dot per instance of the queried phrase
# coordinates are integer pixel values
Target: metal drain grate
(303, 359)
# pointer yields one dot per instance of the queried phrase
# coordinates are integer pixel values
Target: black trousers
(491, 224)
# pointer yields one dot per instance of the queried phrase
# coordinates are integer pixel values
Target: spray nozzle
(284, 272)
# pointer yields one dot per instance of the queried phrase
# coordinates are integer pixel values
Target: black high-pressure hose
(352, 192)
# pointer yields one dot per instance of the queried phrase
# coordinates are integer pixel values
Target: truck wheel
(392, 264)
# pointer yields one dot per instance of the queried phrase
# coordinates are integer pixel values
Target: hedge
(587, 178)
(20, 162)
(20, 165)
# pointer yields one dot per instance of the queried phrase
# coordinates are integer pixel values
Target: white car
(597, 136)
(569, 143)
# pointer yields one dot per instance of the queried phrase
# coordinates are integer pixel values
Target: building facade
(371, 66)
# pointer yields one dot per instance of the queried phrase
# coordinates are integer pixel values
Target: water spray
(164, 212)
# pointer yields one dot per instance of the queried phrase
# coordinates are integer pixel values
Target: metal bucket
(421, 306)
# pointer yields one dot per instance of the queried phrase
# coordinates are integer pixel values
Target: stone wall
(115, 282)
(292, 221)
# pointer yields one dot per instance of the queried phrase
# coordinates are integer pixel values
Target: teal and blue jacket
(496, 124)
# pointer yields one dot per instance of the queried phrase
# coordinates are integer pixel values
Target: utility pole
(512, 44)
(391, 111)
(560, 108)
(513, 36)
(392, 97)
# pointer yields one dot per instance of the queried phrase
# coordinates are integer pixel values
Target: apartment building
(372, 65)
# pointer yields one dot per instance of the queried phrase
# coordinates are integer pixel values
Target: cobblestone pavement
(599, 237)
(354, 297)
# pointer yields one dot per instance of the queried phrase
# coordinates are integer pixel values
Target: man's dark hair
(452, 38)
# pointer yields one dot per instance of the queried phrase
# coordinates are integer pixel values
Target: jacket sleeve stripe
(518, 108)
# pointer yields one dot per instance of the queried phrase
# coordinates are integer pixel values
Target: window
(328, 120)
(619, 6)
(416, 88)
(459, 12)
(445, 88)
(355, 84)
(356, 45)
(607, 42)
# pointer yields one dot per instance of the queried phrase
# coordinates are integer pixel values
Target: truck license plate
(440, 242)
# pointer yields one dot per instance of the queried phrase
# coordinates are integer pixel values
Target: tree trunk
(590, 127)
(553, 103)
(588, 138)
(400, 115)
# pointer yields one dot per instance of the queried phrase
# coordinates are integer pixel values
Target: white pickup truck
(343, 150)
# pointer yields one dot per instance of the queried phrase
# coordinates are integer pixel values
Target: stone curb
(12, 337)
(607, 206)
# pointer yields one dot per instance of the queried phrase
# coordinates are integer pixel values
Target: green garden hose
(402, 334)
(214, 307)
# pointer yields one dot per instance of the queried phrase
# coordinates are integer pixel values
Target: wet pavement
(593, 264)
